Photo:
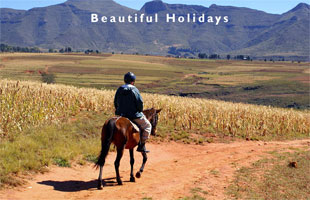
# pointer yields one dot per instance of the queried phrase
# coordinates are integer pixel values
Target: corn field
(28, 104)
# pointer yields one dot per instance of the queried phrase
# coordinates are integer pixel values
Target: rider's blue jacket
(128, 102)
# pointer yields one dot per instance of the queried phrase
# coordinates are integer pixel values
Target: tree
(68, 50)
(214, 56)
(3, 47)
(202, 56)
(7, 48)
(239, 57)
(26, 49)
(47, 78)
(89, 51)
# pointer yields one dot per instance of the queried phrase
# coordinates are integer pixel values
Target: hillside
(249, 31)
(288, 36)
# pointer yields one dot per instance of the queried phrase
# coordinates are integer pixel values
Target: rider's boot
(141, 148)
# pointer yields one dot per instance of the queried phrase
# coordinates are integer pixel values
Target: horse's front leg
(138, 174)
(132, 162)
(120, 151)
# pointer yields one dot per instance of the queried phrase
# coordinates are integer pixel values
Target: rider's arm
(139, 101)
(115, 99)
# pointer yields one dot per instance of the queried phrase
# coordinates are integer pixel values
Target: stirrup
(141, 148)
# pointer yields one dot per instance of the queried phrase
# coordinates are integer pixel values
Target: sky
(270, 6)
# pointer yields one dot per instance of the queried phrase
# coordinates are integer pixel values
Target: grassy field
(36, 128)
(280, 84)
(274, 178)
(36, 148)
(30, 104)
(43, 124)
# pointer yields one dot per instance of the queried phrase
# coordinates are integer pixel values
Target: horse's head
(152, 116)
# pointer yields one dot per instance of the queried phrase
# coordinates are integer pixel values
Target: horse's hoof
(99, 187)
(132, 179)
(138, 174)
(119, 182)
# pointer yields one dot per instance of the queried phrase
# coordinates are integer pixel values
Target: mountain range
(249, 31)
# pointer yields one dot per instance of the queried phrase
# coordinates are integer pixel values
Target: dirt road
(171, 172)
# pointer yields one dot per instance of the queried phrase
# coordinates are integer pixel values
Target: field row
(279, 84)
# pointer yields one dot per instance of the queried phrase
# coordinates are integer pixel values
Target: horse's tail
(107, 135)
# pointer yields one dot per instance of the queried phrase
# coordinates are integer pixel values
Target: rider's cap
(129, 77)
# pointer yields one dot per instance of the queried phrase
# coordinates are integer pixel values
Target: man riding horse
(128, 103)
(123, 133)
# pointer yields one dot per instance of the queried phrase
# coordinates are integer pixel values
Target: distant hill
(249, 31)
(288, 36)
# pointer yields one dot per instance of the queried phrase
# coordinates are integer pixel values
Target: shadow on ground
(75, 186)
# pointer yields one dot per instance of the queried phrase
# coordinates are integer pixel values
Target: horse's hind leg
(132, 162)
(100, 179)
(101, 162)
(120, 151)
(138, 174)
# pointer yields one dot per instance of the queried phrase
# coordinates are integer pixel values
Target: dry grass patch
(30, 103)
(275, 178)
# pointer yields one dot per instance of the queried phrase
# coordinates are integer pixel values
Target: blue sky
(270, 6)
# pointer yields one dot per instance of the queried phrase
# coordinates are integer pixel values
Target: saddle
(134, 126)
(134, 138)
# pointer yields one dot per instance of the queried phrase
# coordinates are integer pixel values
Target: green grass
(274, 178)
(62, 162)
(183, 136)
(77, 141)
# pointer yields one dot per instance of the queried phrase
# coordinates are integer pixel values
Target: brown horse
(123, 134)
